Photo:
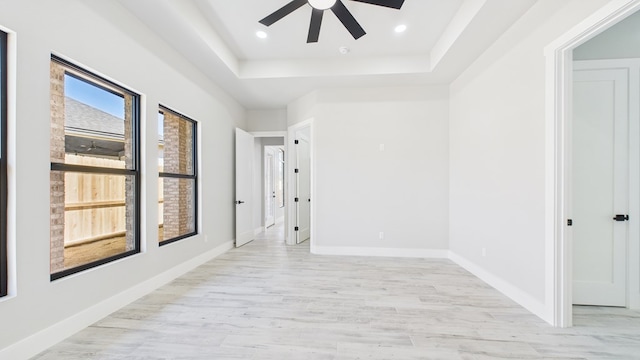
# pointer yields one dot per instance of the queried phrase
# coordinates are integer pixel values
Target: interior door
(269, 188)
(244, 190)
(600, 191)
(303, 186)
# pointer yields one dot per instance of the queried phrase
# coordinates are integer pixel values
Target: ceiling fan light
(322, 4)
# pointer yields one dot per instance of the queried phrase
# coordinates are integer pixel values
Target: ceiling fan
(91, 147)
(98, 149)
(336, 6)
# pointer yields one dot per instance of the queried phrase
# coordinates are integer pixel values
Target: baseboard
(258, 230)
(382, 252)
(525, 300)
(52, 335)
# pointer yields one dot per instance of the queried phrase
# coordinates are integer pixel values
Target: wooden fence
(95, 203)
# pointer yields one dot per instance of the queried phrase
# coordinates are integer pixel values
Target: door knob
(239, 202)
(621, 217)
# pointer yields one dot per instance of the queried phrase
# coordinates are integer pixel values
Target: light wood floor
(269, 301)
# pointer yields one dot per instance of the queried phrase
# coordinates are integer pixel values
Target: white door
(600, 191)
(244, 181)
(303, 187)
(269, 187)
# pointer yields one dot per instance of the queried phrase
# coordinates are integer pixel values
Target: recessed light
(344, 50)
(261, 34)
(401, 28)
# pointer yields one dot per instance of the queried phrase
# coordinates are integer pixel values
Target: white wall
(103, 37)
(621, 41)
(360, 190)
(267, 120)
(497, 154)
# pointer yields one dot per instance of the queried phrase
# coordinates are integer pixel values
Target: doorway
(255, 205)
(273, 185)
(267, 151)
(561, 173)
(269, 187)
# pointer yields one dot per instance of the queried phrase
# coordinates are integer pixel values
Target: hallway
(269, 301)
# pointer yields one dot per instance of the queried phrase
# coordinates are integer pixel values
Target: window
(95, 179)
(3, 166)
(177, 167)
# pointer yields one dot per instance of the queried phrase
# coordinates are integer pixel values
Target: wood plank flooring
(269, 301)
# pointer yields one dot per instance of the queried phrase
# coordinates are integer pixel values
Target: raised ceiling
(443, 37)
(287, 37)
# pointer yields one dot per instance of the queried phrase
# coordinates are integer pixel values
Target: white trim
(558, 115)
(50, 336)
(11, 138)
(380, 252)
(261, 134)
(525, 300)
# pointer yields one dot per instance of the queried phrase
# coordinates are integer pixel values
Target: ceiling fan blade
(314, 28)
(395, 4)
(282, 12)
(347, 19)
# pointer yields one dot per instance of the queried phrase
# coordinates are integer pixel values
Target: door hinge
(296, 229)
(297, 171)
(296, 142)
(569, 222)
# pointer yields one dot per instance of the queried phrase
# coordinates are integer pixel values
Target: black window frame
(193, 177)
(85, 75)
(4, 260)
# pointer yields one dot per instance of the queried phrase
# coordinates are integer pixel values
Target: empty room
(319, 179)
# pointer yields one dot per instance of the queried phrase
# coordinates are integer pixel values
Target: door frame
(284, 135)
(558, 244)
(290, 178)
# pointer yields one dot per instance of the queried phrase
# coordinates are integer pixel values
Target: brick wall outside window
(178, 176)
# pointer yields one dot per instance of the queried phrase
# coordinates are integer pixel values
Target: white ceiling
(219, 37)
(287, 38)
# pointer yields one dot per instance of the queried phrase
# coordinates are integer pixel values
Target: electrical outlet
(484, 252)
(381, 147)
(381, 235)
